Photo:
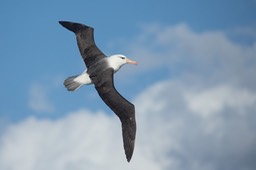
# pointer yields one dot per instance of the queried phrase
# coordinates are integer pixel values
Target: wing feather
(85, 41)
(118, 104)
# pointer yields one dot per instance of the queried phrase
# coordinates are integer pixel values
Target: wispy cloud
(244, 34)
(182, 51)
(38, 99)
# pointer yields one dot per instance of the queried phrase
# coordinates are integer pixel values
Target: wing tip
(73, 26)
(129, 135)
(129, 151)
(129, 157)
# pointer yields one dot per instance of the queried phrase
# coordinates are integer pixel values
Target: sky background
(194, 88)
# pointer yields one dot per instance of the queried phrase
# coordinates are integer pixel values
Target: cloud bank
(201, 119)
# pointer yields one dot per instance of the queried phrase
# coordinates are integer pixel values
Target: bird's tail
(71, 84)
(72, 26)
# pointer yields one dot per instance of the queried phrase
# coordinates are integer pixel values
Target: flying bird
(100, 72)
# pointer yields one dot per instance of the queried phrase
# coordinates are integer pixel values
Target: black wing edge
(129, 133)
(85, 41)
(73, 26)
(120, 106)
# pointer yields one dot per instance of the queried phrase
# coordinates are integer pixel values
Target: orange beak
(131, 61)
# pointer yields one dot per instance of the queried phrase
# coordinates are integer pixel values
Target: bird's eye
(122, 58)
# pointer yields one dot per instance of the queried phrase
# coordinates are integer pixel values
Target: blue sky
(35, 49)
(202, 51)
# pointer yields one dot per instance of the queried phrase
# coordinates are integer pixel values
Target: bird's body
(100, 71)
(74, 82)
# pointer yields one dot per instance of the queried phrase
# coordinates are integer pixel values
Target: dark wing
(85, 40)
(122, 108)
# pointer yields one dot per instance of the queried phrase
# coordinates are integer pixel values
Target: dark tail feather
(71, 84)
(72, 26)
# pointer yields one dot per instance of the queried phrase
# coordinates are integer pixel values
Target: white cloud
(38, 99)
(211, 101)
(170, 135)
(82, 140)
(183, 137)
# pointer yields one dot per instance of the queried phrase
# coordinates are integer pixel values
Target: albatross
(100, 72)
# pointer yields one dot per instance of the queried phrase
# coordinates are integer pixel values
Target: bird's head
(118, 60)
